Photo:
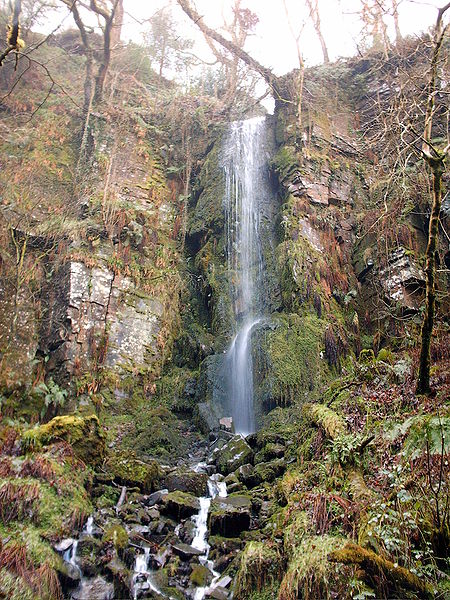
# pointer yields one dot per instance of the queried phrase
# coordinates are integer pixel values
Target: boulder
(247, 475)
(270, 451)
(229, 516)
(200, 576)
(130, 471)
(269, 471)
(68, 574)
(94, 589)
(155, 498)
(84, 434)
(180, 505)
(187, 481)
(185, 551)
(233, 455)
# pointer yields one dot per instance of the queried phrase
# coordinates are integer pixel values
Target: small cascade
(142, 576)
(70, 556)
(215, 488)
(246, 189)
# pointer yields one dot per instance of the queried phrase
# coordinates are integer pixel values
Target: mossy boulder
(229, 516)
(117, 535)
(309, 570)
(84, 434)
(269, 471)
(200, 576)
(233, 455)
(186, 481)
(180, 505)
(130, 471)
(270, 451)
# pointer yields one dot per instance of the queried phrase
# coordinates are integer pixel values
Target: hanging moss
(293, 355)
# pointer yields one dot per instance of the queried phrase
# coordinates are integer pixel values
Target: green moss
(181, 504)
(154, 432)
(117, 535)
(328, 419)
(128, 470)
(15, 587)
(285, 163)
(293, 352)
(297, 528)
(82, 433)
(208, 215)
(199, 576)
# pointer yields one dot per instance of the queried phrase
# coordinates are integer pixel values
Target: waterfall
(246, 187)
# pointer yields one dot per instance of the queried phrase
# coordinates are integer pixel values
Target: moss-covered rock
(186, 481)
(84, 434)
(233, 455)
(180, 505)
(229, 516)
(200, 576)
(117, 535)
(128, 470)
(269, 471)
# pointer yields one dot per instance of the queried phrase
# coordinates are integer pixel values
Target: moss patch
(84, 434)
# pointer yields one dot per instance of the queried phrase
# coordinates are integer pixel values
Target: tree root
(375, 565)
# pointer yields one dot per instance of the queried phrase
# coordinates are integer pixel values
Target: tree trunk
(13, 40)
(266, 73)
(423, 383)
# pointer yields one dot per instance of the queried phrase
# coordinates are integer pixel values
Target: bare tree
(272, 80)
(313, 7)
(436, 159)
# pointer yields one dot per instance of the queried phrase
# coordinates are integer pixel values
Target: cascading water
(246, 187)
(200, 542)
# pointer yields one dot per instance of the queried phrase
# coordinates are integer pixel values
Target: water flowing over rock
(246, 189)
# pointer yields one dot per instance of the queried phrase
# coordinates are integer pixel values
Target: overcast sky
(272, 43)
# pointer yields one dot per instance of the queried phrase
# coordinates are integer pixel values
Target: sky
(272, 43)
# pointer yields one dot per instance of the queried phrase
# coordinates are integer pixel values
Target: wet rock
(87, 552)
(138, 533)
(94, 589)
(218, 593)
(120, 576)
(130, 471)
(247, 475)
(63, 545)
(68, 574)
(271, 470)
(229, 516)
(156, 497)
(187, 481)
(184, 551)
(233, 455)
(180, 505)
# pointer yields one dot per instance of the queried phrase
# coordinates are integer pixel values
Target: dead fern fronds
(40, 468)
(17, 500)
(46, 583)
